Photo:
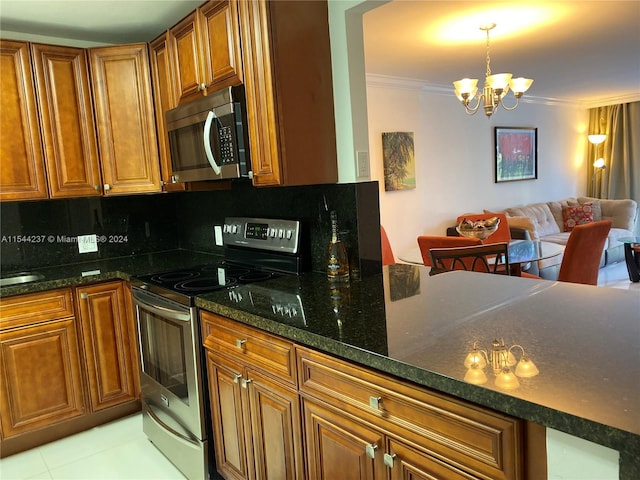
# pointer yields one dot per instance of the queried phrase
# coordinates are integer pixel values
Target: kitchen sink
(18, 278)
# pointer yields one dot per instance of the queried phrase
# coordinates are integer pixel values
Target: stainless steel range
(173, 373)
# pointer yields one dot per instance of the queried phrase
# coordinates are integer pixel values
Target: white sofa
(544, 221)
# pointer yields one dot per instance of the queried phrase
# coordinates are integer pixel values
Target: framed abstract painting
(516, 154)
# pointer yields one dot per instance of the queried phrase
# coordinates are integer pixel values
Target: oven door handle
(207, 142)
(165, 312)
(164, 426)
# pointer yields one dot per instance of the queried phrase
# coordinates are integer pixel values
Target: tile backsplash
(44, 233)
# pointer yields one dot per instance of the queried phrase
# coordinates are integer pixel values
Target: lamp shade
(597, 139)
(499, 81)
(466, 86)
(599, 163)
(520, 84)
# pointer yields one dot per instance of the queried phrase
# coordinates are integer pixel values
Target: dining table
(521, 252)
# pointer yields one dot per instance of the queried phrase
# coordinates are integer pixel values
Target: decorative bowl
(480, 229)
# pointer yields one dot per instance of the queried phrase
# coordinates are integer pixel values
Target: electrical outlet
(87, 243)
(362, 164)
(217, 233)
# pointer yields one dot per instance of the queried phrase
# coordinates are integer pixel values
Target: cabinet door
(164, 99)
(228, 417)
(22, 171)
(185, 45)
(260, 88)
(108, 344)
(338, 447)
(125, 118)
(275, 428)
(221, 44)
(68, 128)
(40, 376)
(407, 463)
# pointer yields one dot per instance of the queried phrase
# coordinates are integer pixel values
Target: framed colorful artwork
(516, 154)
(399, 161)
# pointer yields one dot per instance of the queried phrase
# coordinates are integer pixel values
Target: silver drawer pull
(240, 343)
(371, 450)
(237, 377)
(246, 382)
(388, 459)
(375, 402)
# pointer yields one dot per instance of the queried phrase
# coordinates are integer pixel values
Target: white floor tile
(135, 460)
(23, 466)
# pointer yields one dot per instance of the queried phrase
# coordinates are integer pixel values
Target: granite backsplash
(43, 233)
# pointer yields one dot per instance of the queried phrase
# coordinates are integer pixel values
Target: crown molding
(375, 80)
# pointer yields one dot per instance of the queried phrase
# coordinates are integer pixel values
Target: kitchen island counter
(583, 339)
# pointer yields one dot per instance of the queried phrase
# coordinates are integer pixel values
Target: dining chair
(490, 258)
(387, 252)
(581, 259)
(427, 242)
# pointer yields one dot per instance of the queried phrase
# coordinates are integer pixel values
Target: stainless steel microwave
(208, 138)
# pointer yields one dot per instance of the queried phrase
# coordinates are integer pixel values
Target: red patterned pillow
(577, 215)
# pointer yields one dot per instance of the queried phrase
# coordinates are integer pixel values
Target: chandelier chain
(488, 56)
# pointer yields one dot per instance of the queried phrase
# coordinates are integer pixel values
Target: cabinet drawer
(253, 347)
(28, 309)
(479, 440)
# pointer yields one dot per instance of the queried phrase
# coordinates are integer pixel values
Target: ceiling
(576, 51)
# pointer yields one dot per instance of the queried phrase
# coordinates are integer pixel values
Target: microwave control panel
(262, 233)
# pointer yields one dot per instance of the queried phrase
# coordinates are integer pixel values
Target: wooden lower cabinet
(338, 447)
(351, 421)
(256, 416)
(40, 374)
(65, 365)
(108, 340)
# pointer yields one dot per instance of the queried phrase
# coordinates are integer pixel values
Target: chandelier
(495, 87)
(502, 360)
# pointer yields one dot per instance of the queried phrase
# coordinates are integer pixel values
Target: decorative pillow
(595, 205)
(577, 215)
(525, 223)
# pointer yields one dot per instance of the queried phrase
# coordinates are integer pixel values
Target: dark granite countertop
(584, 340)
(124, 268)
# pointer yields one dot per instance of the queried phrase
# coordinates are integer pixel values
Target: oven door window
(164, 342)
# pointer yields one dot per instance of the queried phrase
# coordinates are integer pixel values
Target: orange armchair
(427, 242)
(581, 260)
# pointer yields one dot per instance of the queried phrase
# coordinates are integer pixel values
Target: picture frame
(398, 156)
(516, 154)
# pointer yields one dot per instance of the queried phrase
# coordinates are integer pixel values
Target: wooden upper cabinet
(125, 119)
(164, 98)
(221, 44)
(187, 58)
(287, 75)
(22, 171)
(68, 127)
(205, 48)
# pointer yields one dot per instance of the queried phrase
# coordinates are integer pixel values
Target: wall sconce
(501, 360)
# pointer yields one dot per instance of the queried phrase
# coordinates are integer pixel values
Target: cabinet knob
(96, 187)
(375, 402)
(371, 450)
(388, 459)
(107, 187)
(237, 377)
(84, 295)
(246, 382)
(240, 343)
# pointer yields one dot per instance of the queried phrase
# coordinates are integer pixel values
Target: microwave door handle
(207, 144)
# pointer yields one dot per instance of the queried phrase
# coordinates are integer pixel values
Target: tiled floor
(120, 450)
